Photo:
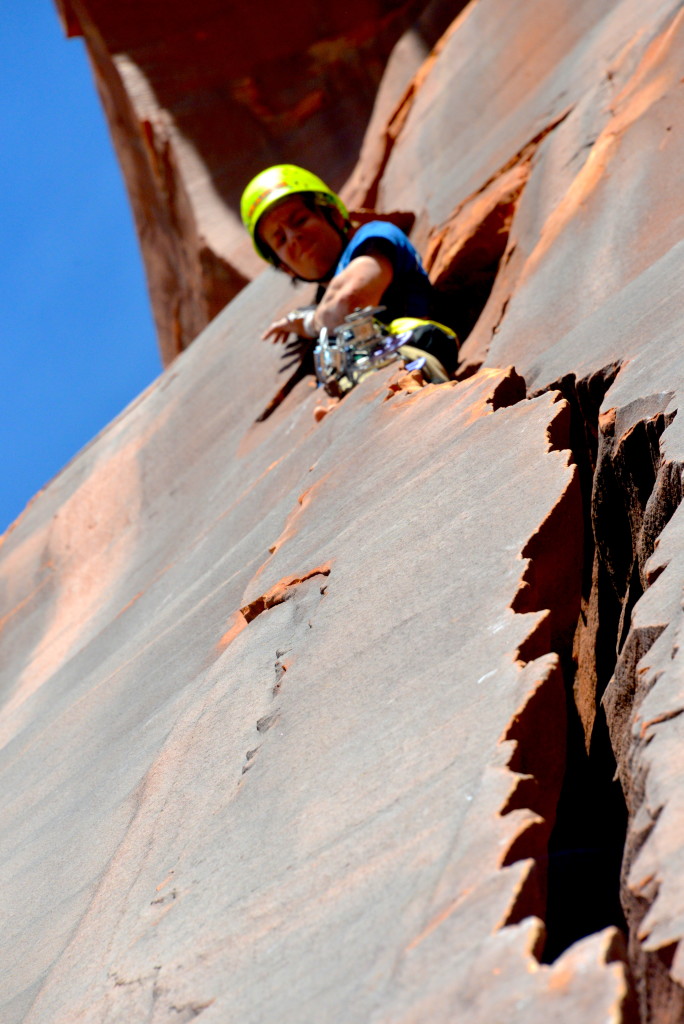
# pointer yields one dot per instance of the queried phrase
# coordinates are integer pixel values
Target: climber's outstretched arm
(362, 283)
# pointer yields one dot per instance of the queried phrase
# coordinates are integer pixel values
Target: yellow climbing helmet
(277, 183)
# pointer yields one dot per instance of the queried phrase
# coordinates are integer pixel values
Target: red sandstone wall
(311, 709)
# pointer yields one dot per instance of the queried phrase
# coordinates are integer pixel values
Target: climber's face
(303, 239)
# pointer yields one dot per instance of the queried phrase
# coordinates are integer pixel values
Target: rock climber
(300, 226)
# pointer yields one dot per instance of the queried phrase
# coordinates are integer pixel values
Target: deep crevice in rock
(464, 278)
(630, 506)
(628, 496)
(463, 294)
(464, 256)
(645, 490)
(587, 841)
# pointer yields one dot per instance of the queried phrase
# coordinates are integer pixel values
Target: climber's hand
(278, 331)
(300, 322)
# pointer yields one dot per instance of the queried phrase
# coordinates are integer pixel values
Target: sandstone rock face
(201, 97)
(310, 708)
(289, 731)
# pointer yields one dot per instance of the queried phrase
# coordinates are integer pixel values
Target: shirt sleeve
(387, 240)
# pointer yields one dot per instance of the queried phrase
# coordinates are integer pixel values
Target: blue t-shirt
(410, 290)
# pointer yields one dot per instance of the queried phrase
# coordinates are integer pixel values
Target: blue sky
(77, 341)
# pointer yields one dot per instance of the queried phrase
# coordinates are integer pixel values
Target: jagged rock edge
(645, 637)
